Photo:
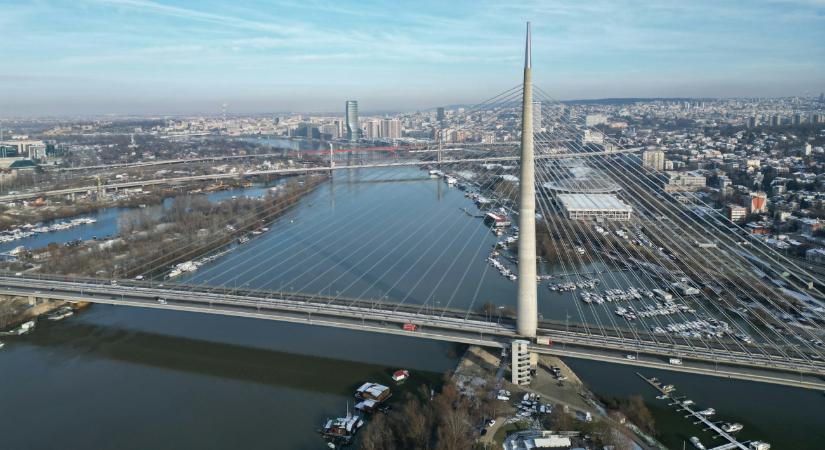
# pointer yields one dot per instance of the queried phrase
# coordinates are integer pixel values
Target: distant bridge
(295, 171)
(411, 148)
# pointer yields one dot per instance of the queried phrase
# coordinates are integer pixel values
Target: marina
(721, 430)
(29, 230)
(193, 266)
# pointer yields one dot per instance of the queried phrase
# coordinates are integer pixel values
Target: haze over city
(174, 57)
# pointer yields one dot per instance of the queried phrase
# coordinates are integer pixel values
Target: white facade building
(391, 129)
(594, 206)
(654, 159)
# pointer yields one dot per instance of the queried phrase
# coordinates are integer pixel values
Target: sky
(76, 57)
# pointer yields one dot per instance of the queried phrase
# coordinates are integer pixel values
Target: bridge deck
(440, 324)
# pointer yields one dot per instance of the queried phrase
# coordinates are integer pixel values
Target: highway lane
(378, 317)
(559, 331)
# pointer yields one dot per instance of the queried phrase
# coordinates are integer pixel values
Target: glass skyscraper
(352, 121)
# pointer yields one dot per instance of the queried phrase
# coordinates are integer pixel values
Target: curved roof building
(581, 179)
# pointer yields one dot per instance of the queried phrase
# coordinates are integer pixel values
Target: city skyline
(156, 57)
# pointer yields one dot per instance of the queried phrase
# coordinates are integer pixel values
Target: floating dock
(733, 443)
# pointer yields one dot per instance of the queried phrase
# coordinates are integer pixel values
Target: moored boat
(707, 412)
(697, 443)
(400, 375)
(341, 429)
(732, 427)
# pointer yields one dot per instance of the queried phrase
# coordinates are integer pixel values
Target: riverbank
(18, 214)
(148, 245)
(15, 309)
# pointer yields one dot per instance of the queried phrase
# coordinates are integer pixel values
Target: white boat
(732, 427)
(188, 266)
(2, 344)
(60, 314)
(24, 328)
(707, 412)
(697, 443)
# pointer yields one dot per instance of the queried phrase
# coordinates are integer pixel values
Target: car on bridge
(410, 327)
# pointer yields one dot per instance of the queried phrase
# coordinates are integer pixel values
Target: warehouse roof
(591, 202)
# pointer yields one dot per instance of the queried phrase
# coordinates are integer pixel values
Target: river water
(130, 378)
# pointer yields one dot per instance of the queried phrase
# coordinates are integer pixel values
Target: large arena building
(594, 207)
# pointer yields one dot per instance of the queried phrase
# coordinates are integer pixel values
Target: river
(127, 378)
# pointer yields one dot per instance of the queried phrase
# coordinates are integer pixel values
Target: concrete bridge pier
(522, 362)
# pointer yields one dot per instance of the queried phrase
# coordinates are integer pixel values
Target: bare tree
(378, 435)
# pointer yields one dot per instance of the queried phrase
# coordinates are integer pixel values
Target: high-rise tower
(527, 315)
(352, 121)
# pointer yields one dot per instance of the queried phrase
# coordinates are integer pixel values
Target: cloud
(412, 48)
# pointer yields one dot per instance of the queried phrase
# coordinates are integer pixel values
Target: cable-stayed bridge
(751, 313)
(453, 325)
